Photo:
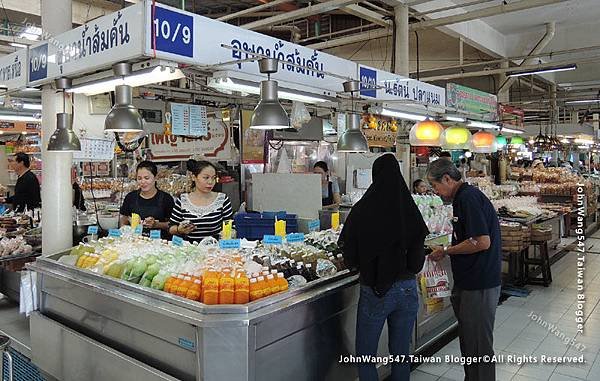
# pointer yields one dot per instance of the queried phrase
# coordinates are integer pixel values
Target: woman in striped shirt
(201, 213)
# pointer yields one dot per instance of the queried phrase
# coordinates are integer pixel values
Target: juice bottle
(310, 272)
(195, 290)
(183, 287)
(263, 286)
(242, 289)
(281, 282)
(272, 284)
(169, 282)
(340, 259)
(226, 289)
(210, 291)
(254, 290)
(175, 284)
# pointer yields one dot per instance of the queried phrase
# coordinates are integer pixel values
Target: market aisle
(517, 333)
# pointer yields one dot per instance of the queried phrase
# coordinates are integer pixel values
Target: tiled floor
(517, 333)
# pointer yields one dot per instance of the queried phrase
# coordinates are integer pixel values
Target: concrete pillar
(57, 194)
(402, 54)
(504, 93)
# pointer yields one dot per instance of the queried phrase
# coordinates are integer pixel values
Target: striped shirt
(208, 220)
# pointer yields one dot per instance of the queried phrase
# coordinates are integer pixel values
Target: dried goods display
(14, 247)
(437, 216)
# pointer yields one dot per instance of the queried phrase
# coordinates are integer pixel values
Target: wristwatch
(445, 250)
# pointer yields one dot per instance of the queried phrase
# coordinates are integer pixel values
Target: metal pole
(401, 62)
(57, 194)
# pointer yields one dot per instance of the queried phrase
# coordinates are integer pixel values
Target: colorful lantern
(516, 141)
(483, 142)
(426, 133)
(456, 137)
(501, 141)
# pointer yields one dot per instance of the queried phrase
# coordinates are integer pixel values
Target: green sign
(468, 100)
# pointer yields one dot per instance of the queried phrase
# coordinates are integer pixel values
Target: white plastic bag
(436, 280)
(300, 115)
(28, 298)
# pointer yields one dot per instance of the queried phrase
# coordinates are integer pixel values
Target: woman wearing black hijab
(383, 237)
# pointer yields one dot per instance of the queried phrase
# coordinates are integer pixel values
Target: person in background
(446, 155)
(475, 255)
(201, 213)
(27, 190)
(387, 265)
(330, 190)
(78, 200)
(537, 164)
(152, 205)
(420, 187)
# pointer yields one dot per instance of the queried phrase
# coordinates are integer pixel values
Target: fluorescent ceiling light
(511, 131)
(17, 45)
(139, 78)
(31, 89)
(19, 118)
(402, 115)
(32, 33)
(484, 125)
(542, 71)
(584, 141)
(455, 119)
(250, 87)
(583, 101)
(32, 106)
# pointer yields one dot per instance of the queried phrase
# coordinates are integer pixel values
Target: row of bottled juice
(226, 287)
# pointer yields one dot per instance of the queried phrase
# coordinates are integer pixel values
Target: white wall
(93, 124)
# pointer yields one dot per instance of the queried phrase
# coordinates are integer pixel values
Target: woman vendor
(201, 213)
(330, 190)
(152, 205)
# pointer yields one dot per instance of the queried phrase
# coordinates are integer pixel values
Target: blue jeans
(399, 307)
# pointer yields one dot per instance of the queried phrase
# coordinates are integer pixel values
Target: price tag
(138, 230)
(114, 233)
(177, 241)
(230, 244)
(272, 240)
(155, 234)
(314, 225)
(295, 237)
(93, 230)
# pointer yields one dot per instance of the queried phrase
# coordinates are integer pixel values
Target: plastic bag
(436, 280)
(300, 115)
(28, 301)
(325, 268)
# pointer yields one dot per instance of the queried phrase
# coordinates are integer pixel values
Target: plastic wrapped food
(296, 281)
(325, 268)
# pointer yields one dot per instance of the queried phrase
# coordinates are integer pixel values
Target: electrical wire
(7, 20)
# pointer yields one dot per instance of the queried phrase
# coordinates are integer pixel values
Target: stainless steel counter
(94, 327)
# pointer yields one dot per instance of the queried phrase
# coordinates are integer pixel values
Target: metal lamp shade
(123, 117)
(269, 114)
(353, 140)
(64, 139)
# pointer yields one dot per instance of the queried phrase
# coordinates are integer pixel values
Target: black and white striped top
(207, 219)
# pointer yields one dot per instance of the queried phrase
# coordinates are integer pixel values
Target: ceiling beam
(252, 10)
(83, 11)
(359, 37)
(311, 10)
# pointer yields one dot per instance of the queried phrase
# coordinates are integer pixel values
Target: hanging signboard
(96, 45)
(511, 116)
(469, 100)
(379, 131)
(188, 119)
(253, 141)
(13, 127)
(393, 87)
(13, 70)
(214, 146)
(185, 37)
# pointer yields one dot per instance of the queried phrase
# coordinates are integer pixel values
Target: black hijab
(383, 227)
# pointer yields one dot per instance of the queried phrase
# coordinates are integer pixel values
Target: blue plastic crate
(23, 368)
(256, 225)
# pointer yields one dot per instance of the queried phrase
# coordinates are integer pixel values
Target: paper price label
(295, 237)
(272, 240)
(177, 241)
(138, 230)
(155, 234)
(93, 230)
(314, 225)
(230, 244)
(114, 233)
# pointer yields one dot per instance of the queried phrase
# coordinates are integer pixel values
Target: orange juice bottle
(282, 282)
(183, 287)
(195, 290)
(242, 288)
(255, 292)
(169, 282)
(272, 284)
(210, 291)
(263, 286)
(226, 288)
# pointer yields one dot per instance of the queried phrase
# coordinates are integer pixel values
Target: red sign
(511, 116)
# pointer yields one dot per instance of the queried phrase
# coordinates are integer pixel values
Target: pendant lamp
(516, 141)
(456, 138)
(64, 139)
(269, 114)
(352, 140)
(501, 141)
(427, 133)
(483, 142)
(124, 116)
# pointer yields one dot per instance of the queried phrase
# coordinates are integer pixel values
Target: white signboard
(215, 146)
(393, 87)
(96, 45)
(188, 119)
(13, 70)
(188, 38)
